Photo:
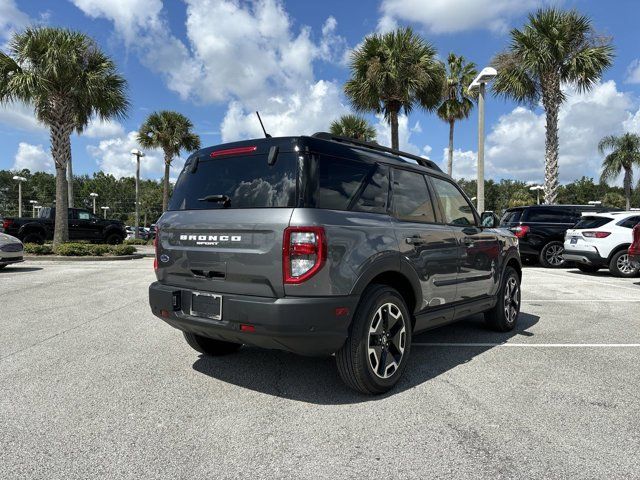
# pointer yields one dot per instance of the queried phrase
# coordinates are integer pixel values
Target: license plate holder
(207, 305)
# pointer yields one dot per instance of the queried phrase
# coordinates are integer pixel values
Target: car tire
(551, 255)
(588, 268)
(209, 346)
(620, 266)
(504, 315)
(33, 237)
(114, 239)
(376, 352)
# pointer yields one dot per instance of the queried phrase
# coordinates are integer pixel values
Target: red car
(634, 249)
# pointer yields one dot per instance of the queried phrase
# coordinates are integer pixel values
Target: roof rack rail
(425, 162)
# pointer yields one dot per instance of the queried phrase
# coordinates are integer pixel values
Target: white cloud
(515, 144)
(250, 57)
(113, 156)
(20, 116)
(449, 16)
(11, 19)
(33, 158)
(98, 128)
(633, 72)
(383, 135)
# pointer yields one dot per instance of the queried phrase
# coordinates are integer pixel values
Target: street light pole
(19, 180)
(33, 207)
(94, 196)
(537, 188)
(486, 75)
(104, 209)
(138, 154)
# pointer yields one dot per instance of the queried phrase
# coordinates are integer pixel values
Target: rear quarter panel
(354, 242)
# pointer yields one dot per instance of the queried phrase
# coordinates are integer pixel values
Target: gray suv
(324, 245)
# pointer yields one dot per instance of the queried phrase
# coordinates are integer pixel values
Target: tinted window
(552, 215)
(455, 207)
(411, 199)
(630, 222)
(511, 216)
(591, 222)
(373, 198)
(339, 181)
(246, 182)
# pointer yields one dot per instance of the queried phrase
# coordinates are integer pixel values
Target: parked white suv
(601, 240)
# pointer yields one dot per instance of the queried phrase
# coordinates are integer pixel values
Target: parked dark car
(83, 225)
(320, 245)
(634, 249)
(541, 229)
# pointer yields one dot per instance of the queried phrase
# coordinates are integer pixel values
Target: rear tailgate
(223, 251)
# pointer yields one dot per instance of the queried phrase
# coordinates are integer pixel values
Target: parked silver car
(11, 250)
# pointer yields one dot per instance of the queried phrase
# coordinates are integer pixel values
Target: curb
(63, 258)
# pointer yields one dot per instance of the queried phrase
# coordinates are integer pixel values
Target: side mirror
(489, 220)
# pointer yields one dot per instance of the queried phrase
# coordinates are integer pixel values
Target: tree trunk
(60, 136)
(450, 161)
(70, 182)
(627, 187)
(165, 193)
(551, 99)
(393, 120)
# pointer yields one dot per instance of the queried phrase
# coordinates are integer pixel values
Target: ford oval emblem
(164, 258)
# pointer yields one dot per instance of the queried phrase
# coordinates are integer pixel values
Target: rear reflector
(596, 234)
(247, 328)
(165, 313)
(233, 151)
(304, 251)
(342, 311)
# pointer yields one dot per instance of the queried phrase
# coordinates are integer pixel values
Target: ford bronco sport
(324, 245)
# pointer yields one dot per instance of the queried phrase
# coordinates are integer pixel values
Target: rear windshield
(552, 215)
(237, 182)
(511, 216)
(592, 222)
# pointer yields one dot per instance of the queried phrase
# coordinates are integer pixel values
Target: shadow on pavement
(316, 380)
(11, 268)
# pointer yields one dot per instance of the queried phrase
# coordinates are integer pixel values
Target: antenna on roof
(266, 135)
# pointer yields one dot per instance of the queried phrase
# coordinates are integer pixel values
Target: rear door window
(237, 182)
(630, 222)
(552, 215)
(411, 199)
(455, 208)
(591, 222)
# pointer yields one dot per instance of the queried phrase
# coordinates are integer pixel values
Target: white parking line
(532, 345)
(579, 300)
(589, 280)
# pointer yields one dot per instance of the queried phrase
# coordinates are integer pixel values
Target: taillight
(520, 231)
(6, 223)
(596, 234)
(155, 247)
(304, 251)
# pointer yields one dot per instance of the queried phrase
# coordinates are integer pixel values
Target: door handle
(415, 240)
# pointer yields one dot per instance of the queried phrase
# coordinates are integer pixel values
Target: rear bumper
(302, 325)
(585, 257)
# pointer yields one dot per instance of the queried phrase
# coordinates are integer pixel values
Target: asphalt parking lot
(92, 385)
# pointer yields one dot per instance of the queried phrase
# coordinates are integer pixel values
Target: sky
(218, 61)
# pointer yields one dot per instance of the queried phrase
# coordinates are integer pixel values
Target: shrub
(135, 241)
(74, 249)
(35, 249)
(123, 249)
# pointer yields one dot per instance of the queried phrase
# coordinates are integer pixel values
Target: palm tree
(625, 153)
(353, 126)
(554, 48)
(457, 100)
(67, 79)
(170, 131)
(393, 72)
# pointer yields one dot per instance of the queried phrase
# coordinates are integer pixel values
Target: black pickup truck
(83, 225)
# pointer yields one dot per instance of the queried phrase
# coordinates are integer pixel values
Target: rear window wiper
(224, 199)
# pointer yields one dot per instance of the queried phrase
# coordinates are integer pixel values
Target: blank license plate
(208, 305)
